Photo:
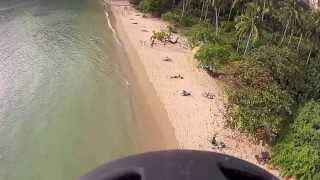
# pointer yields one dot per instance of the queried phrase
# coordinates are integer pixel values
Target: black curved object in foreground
(179, 165)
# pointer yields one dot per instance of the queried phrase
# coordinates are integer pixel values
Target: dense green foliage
(201, 33)
(298, 152)
(156, 7)
(175, 18)
(171, 17)
(258, 104)
(213, 56)
(268, 53)
(261, 111)
(161, 36)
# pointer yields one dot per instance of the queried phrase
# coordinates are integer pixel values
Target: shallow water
(64, 104)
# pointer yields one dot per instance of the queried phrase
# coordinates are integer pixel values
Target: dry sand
(195, 119)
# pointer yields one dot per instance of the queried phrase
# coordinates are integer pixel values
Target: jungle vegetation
(268, 54)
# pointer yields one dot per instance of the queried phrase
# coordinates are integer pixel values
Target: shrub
(312, 79)
(298, 152)
(261, 112)
(156, 7)
(213, 56)
(141, 5)
(201, 33)
(188, 21)
(258, 105)
(227, 26)
(285, 66)
(171, 16)
(161, 36)
(135, 2)
(251, 73)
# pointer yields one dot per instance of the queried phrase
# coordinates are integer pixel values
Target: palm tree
(265, 6)
(313, 26)
(247, 24)
(217, 5)
(185, 7)
(289, 14)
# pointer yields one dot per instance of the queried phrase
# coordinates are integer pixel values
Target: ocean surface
(65, 106)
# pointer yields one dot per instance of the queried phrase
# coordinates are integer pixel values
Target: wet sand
(150, 114)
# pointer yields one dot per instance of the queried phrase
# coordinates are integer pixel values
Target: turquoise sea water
(64, 104)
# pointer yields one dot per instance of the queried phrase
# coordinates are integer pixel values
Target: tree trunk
(300, 39)
(238, 44)
(264, 7)
(183, 9)
(185, 4)
(309, 56)
(207, 9)
(217, 21)
(248, 42)
(229, 15)
(202, 9)
(188, 3)
(230, 12)
(284, 33)
(289, 42)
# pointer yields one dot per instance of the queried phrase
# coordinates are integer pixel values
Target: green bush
(161, 36)
(188, 21)
(135, 2)
(213, 56)
(312, 80)
(156, 7)
(201, 33)
(251, 73)
(227, 26)
(261, 112)
(171, 16)
(285, 66)
(258, 105)
(141, 5)
(298, 152)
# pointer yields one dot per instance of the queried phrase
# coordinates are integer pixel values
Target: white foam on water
(114, 34)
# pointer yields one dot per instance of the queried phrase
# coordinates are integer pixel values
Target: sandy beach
(194, 119)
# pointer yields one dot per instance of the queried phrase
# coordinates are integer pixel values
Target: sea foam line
(114, 34)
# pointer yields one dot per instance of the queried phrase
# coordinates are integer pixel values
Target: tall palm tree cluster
(253, 16)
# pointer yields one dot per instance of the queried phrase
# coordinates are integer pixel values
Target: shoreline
(195, 119)
(148, 110)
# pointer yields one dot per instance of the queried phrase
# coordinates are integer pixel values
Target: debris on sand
(167, 59)
(217, 144)
(214, 141)
(177, 77)
(221, 145)
(185, 93)
(263, 158)
(208, 95)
